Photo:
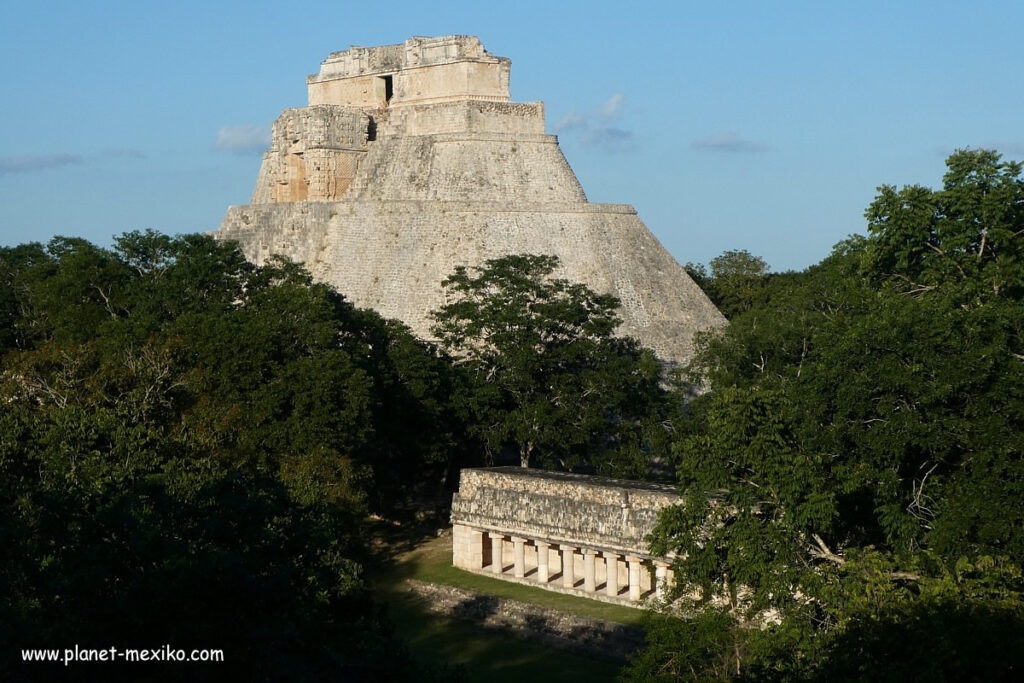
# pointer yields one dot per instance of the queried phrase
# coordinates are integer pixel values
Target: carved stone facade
(314, 154)
(410, 160)
(565, 532)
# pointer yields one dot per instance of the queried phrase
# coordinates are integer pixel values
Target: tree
(187, 456)
(857, 461)
(547, 375)
(964, 239)
(735, 280)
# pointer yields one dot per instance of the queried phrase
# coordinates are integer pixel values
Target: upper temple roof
(419, 71)
(418, 51)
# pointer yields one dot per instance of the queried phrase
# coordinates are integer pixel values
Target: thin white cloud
(610, 109)
(243, 139)
(571, 120)
(44, 162)
(31, 164)
(728, 142)
(598, 128)
(122, 153)
(610, 138)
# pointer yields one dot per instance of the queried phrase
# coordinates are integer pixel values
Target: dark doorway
(389, 88)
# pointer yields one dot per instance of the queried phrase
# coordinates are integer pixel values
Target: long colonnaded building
(410, 160)
(571, 533)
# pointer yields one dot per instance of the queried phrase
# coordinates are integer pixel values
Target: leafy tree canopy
(189, 445)
(546, 375)
(734, 280)
(857, 464)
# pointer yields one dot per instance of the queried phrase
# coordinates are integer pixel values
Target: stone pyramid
(410, 159)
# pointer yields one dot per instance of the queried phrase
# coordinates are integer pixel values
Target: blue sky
(728, 125)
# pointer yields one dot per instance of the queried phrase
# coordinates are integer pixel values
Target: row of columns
(635, 565)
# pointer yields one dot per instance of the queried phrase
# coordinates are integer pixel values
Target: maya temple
(410, 159)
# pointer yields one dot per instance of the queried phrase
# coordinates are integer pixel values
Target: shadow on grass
(478, 607)
(411, 549)
(398, 536)
(486, 655)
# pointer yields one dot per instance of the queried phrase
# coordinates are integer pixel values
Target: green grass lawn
(487, 655)
(432, 562)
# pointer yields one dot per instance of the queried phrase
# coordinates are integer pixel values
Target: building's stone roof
(578, 480)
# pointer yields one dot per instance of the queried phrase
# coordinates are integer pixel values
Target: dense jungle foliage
(856, 469)
(191, 447)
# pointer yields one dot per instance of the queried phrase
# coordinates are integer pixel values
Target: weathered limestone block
(478, 167)
(392, 256)
(466, 116)
(314, 155)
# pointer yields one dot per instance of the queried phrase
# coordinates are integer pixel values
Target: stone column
(542, 561)
(568, 570)
(496, 561)
(476, 548)
(589, 577)
(519, 544)
(660, 579)
(635, 564)
(611, 565)
(467, 547)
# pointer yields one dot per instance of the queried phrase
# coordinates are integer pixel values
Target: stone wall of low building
(559, 507)
(571, 533)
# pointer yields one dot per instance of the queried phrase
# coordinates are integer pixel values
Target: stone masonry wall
(467, 116)
(392, 256)
(452, 81)
(314, 154)
(422, 69)
(481, 167)
(576, 509)
(417, 51)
